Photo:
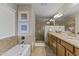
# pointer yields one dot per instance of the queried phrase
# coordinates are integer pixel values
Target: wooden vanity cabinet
(60, 50)
(77, 51)
(52, 43)
(67, 46)
(49, 39)
(68, 53)
(53, 46)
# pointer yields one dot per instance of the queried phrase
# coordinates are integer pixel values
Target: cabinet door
(60, 50)
(77, 51)
(53, 46)
(49, 40)
(68, 53)
(52, 43)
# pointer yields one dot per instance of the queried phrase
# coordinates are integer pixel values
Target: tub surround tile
(27, 40)
(7, 43)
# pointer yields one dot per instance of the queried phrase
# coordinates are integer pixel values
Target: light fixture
(51, 20)
(58, 15)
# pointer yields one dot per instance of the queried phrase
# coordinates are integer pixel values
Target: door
(39, 30)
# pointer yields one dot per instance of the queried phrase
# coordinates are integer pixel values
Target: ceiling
(46, 9)
(74, 9)
(50, 9)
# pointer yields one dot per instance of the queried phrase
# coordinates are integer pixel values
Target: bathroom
(28, 27)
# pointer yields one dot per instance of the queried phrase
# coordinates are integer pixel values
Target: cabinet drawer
(77, 51)
(67, 46)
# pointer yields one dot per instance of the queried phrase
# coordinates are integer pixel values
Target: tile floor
(41, 49)
(38, 51)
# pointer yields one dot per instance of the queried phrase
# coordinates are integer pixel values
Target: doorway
(39, 29)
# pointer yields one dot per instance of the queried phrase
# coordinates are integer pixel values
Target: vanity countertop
(65, 37)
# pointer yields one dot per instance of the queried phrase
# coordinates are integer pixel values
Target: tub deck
(19, 50)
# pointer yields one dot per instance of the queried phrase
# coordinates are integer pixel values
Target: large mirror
(68, 22)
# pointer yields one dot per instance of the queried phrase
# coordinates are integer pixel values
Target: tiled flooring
(38, 51)
(49, 51)
(41, 49)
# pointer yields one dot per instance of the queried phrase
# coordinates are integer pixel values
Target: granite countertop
(65, 37)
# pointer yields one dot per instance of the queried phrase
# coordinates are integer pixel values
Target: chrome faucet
(22, 42)
(22, 38)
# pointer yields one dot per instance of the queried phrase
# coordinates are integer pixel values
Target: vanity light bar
(51, 20)
(58, 15)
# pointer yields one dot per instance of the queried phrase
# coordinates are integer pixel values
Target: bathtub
(19, 50)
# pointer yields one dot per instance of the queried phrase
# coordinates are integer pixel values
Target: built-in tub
(19, 50)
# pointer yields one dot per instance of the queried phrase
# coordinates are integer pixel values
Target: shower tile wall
(39, 28)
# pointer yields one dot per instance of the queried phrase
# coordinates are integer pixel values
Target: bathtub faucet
(22, 42)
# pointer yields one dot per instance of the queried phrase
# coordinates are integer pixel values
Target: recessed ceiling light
(43, 3)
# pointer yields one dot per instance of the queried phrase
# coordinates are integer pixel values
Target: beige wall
(30, 37)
